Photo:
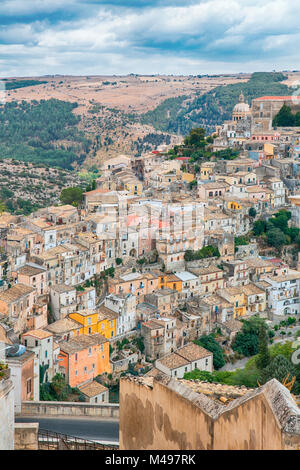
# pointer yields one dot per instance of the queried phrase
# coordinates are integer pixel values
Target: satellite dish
(16, 350)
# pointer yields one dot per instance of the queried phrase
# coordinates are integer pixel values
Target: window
(90, 351)
(85, 370)
(29, 386)
(76, 356)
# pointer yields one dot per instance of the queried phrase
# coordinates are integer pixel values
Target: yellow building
(103, 321)
(170, 281)
(88, 320)
(233, 205)
(207, 170)
(135, 188)
(235, 296)
(188, 177)
(107, 322)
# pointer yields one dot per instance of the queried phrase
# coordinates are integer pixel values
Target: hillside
(72, 122)
(214, 107)
(25, 187)
(108, 113)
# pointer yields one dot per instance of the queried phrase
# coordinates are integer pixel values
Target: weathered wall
(26, 436)
(172, 416)
(7, 416)
(164, 416)
(50, 408)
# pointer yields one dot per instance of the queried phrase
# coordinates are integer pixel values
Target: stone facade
(6, 412)
(26, 436)
(174, 417)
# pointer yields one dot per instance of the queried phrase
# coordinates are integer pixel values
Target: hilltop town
(180, 263)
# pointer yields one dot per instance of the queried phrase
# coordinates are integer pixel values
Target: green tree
(252, 212)
(208, 342)
(263, 358)
(279, 369)
(246, 340)
(276, 238)
(71, 196)
(259, 227)
(284, 118)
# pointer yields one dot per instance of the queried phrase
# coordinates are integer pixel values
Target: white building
(284, 293)
(41, 343)
(190, 284)
(125, 306)
(63, 300)
(185, 359)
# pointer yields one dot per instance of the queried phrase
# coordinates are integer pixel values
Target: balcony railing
(48, 440)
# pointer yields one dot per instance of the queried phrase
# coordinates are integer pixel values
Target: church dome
(241, 106)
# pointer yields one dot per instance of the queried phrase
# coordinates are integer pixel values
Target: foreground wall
(55, 408)
(26, 436)
(172, 416)
(7, 416)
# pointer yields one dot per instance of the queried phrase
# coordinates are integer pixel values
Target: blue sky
(81, 37)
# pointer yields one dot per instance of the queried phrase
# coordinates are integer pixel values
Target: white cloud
(201, 37)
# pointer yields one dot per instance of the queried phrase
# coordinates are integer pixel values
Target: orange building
(134, 283)
(169, 281)
(83, 358)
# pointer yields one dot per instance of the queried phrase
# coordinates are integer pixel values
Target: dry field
(131, 93)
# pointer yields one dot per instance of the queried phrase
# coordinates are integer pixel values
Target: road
(240, 364)
(92, 429)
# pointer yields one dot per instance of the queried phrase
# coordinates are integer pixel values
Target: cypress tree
(263, 359)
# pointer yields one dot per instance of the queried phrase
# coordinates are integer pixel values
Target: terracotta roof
(233, 325)
(16, 292)
(41, 334)
(173, 361)
(92, 389)
(193, 352)
(277, 98)
(63, 326)
(220, 393)
(106, 313)
(79, 343)
(153, 325)
(252, 289)
(28, 270)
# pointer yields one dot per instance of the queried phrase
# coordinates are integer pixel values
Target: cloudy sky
(81, 37)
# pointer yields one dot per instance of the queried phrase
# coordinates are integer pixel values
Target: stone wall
(50, 408)
(7, 416)
(26, 436)
(174, 417)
